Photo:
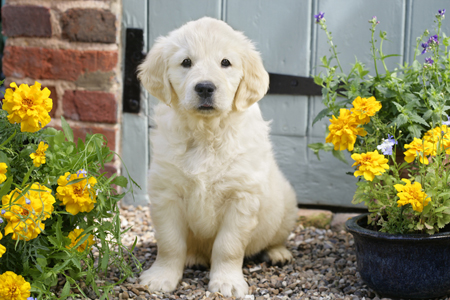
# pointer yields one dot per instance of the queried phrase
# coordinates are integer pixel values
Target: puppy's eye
(186, 63)
(225, 63)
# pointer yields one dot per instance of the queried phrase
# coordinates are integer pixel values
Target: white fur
(216, 192)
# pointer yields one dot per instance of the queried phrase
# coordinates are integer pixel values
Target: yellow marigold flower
(412, 194)
(370, 164)
(25, 214)
(364, 108)
(2, 248)
(76, 235)
(439, 137)
(13, 287)
(343, 130)
(3, 170)
(79, 196)
(39, 156)
(28, 105)
(424, 148)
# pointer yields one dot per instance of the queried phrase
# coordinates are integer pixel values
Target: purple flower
(319, 16)
(392, 140)
(81, 172)
(429, 60)
(27, 201)
(442, 12)
(425, 47)
(387, 144)
(374, 20)
(433, 39)
(446, 122)
(1, 220)
(3, 211)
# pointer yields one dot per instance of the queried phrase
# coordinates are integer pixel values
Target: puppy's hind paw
(279, 255)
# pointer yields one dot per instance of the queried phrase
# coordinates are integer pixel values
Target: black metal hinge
(293, 85)
(279, 83)
(134, 45)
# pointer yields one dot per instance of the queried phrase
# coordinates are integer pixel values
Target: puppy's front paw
(159, 279)
(231, 284)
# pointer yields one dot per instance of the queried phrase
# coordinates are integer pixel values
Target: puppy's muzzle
(205, 91)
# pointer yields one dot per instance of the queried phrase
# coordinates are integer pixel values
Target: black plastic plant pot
(409, 266)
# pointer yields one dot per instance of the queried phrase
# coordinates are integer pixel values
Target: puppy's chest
(207, 161)
(210, 187)
(204, 202)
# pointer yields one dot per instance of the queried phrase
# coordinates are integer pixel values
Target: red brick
(54, 97)
(26, 20)
(89, 25)
(80, 131)
(66, 64)
(90, 106)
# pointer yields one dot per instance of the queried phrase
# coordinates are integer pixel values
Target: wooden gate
(291, 43)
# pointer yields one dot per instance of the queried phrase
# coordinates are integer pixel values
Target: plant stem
(374, 53)
(333, 47)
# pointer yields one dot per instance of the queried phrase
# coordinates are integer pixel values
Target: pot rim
(351, 225)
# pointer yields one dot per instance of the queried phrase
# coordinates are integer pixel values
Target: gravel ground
(324, 267)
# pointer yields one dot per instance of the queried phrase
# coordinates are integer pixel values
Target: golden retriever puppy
(216, 192)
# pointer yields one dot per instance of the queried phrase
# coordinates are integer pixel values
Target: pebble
(324, 267)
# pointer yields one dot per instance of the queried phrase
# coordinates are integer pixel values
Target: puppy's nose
(205, 89)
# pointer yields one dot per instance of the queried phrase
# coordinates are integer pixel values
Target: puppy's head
(205, 68)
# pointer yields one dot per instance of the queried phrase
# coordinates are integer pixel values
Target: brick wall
(71, 47)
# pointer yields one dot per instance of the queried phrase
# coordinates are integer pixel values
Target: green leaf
(9, 139)
(6, 186)
(52, 240)
(60, 255)
(415, 130)
(57, 227)
(58, 267)
(390, 55)
(42, 262)
(446, 41)
(339, 155)
(322, 114)
(67, 130)
(417, 66)
(120, 181)
(398, 106)
(324, 61)
(65, 291)
(318, 80)
(69, 149)
(428, 226)
(416, 118)
(76, 263)
(400, 120)
(427, 114)
(439, 209)
(99, 155)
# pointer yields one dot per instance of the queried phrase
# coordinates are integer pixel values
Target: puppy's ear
(153, 73)
(254, 83)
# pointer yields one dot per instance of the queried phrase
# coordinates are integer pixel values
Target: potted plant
(396, 126)
(60, 229)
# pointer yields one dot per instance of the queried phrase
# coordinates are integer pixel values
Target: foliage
(404, 114)
(59, 211)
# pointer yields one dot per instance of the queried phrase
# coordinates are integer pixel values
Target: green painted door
(290, 43)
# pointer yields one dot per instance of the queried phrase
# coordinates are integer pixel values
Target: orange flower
(364, 108)
(370, 164)
(343, 130)
(423, 148)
